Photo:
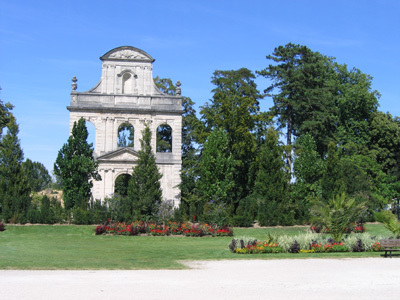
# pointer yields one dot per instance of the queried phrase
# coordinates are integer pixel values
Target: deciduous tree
(216, 168)
(37, 175)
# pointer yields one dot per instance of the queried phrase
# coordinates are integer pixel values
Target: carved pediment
(127, 53)
(120, 155)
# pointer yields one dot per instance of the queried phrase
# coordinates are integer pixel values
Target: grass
(76, 247)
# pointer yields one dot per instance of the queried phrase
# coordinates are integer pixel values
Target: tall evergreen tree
(144, 191)
(77, 167)
(190, 156)
(316, 95)
(271, 187)
(235, 109)
(14, 187)
(5, 115)
(305, 98)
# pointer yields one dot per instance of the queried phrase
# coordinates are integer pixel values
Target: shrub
(100, 229)
(384, 216)
(81, 216)
(33, 215)
(2, 227)
(225, 231)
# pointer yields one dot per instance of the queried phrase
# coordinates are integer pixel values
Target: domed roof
(127, 53)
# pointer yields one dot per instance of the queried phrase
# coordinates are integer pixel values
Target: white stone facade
(126, 93)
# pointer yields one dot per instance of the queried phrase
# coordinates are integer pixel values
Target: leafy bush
(33, 215)
(81, 216)
(384, 216)
(100, 229)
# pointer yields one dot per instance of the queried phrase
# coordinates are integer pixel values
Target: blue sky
(43, 44)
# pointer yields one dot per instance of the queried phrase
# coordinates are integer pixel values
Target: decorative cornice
(122, 110)
(127, 53)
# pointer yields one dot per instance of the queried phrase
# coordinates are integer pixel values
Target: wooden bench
(390, 245)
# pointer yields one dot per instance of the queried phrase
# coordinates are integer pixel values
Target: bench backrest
(390, 243)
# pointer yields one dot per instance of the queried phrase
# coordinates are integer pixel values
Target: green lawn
(76, 247)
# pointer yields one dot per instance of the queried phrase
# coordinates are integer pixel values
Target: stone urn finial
(74, 85)
(178, 88)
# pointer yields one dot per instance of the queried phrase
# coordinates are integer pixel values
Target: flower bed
(259, 247)
(171, 228)
(356, 228)
(305, 243)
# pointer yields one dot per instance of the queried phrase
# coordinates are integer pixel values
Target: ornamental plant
(338, 214)
(225, 231)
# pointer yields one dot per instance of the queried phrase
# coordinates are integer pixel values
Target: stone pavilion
(119, 106)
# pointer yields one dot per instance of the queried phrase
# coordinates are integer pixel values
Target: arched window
(91, 133)
(126, 135)
(121, 185)
(164, 138)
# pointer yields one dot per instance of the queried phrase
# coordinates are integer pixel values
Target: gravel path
(363, 278)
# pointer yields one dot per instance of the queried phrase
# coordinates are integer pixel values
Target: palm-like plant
(337, 214)
(394, 226)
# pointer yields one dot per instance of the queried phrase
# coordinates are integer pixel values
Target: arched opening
(121, 185)
(91, 133)
(126, 135)
(164, 138)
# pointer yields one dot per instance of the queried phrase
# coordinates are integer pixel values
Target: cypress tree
(76, 166)
(14, 187)
(144, 189)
